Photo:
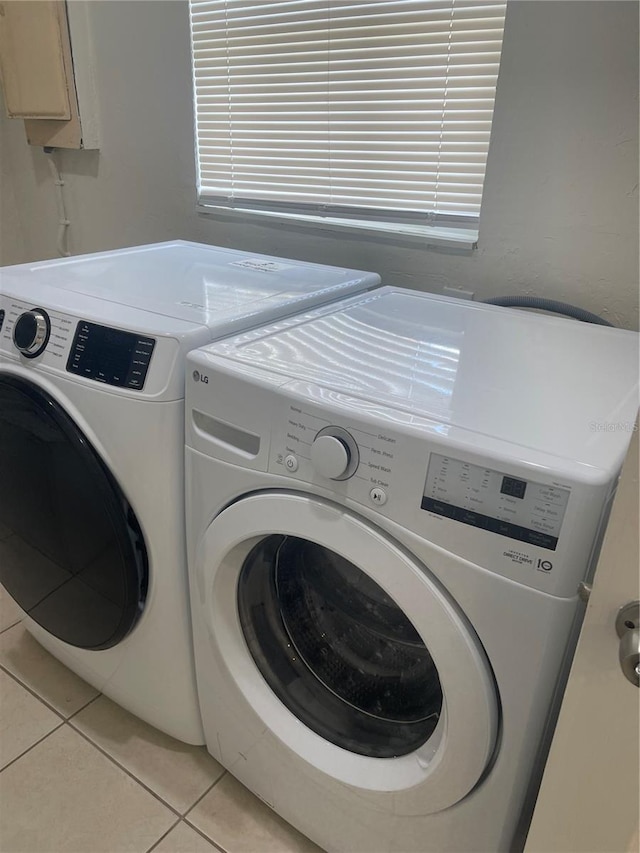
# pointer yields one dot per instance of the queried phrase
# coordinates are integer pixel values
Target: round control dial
(31, 332)
(334, 453)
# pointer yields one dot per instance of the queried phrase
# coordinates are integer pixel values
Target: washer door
(71, 550)
(346, 647)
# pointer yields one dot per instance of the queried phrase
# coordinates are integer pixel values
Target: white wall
(560, 212)
(12, 248)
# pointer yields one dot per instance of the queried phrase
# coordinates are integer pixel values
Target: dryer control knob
(31, 332)
(334, 453)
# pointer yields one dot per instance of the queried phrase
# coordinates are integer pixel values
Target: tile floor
(78, 774)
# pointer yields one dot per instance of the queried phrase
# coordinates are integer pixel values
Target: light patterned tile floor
(81, 774)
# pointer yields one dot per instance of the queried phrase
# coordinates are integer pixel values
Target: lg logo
(200, 377)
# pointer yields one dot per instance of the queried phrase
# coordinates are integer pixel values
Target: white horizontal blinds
(376, 109)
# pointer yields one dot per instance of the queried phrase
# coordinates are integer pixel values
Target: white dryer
(92, 450)
(391, 504)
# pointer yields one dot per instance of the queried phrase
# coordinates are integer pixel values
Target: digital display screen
(482, 497)
(512, 487)
(110, 355)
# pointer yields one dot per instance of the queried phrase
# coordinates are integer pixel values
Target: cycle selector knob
(334, 454)
(31, 332)
(330, 456)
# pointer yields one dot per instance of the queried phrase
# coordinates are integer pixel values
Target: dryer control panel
(21, 332)
(44, 338)
(110, 355)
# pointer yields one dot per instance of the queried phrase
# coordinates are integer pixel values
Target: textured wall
(560, 212)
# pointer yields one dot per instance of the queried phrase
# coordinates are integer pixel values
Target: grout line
(202, 796)
(86, 705)
(33, 693)
(64, 721)
(125, 770)
(206, 837)
(194, 827)
(162, 837)
(67, 720)
(13, 625)
(44, 737)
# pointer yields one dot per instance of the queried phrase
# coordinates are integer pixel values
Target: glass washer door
(273, 558)
(336, 649)
(72, 552)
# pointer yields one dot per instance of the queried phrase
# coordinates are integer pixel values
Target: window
(375, 112)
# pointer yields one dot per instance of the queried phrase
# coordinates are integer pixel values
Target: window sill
(464, 238)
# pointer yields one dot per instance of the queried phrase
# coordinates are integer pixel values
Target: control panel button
(291, 463)
(31, 332)
(378, 496)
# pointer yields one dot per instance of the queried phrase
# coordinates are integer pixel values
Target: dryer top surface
(223, 289)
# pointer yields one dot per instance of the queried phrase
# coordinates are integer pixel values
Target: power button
(378, 497)
(291, 463)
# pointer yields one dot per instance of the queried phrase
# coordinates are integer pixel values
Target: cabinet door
(32, 62)
(37, 71)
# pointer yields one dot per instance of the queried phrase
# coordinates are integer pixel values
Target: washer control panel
(309, 447)
(481, 497)
(529, 521)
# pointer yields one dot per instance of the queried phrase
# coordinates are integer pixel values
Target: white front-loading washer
(92, 543)
(390, 507)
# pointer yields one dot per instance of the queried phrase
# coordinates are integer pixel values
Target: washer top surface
(567, 388)
(223, 289)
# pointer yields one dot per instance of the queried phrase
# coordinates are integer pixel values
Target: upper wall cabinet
(39, 81)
